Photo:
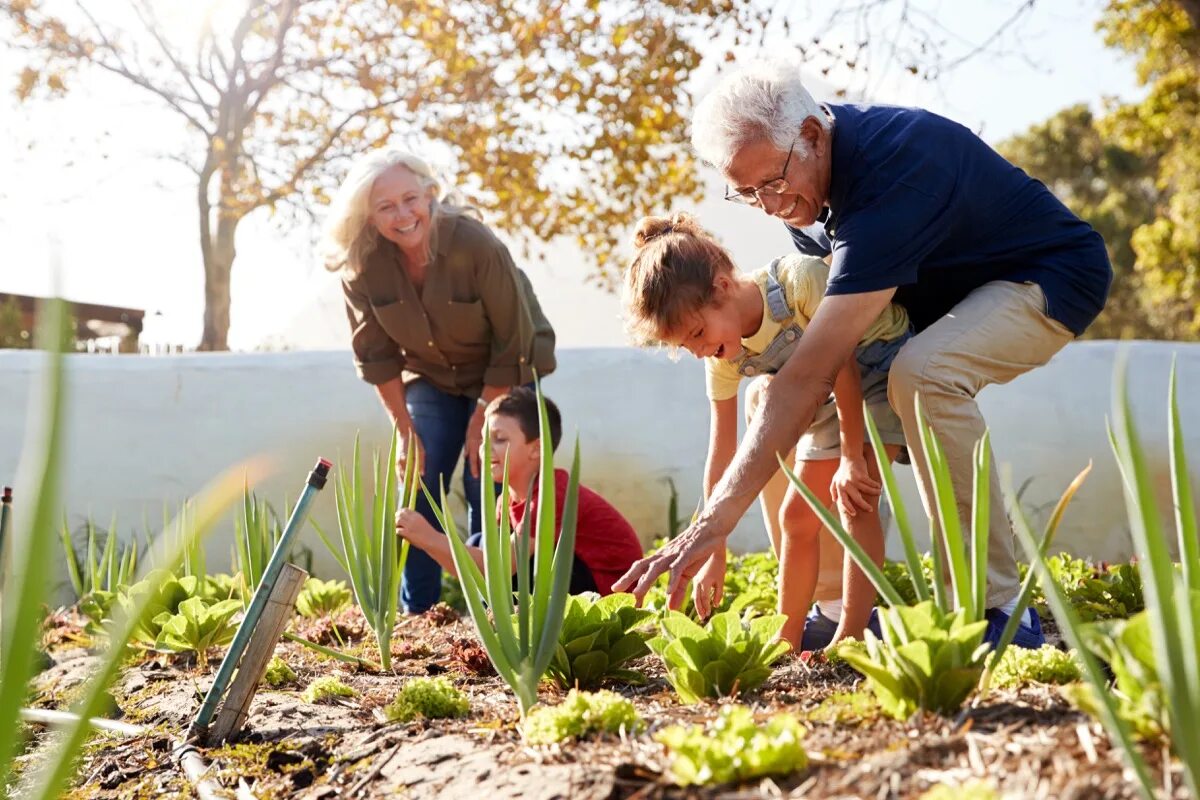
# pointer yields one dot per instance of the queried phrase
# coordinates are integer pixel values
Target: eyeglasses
(753, 197)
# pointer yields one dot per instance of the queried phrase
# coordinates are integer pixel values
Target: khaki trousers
(997, 332)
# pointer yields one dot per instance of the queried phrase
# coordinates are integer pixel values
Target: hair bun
(651, 228)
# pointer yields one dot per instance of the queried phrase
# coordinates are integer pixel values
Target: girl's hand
(708, 587)
(853, 489)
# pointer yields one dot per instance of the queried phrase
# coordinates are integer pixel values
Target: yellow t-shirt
(803, 279)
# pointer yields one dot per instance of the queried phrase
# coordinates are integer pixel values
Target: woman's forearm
(392, 396)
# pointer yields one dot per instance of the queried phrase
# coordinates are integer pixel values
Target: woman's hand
(406, 437)
(474, 442)
(708, 587)
(853, 489)
(412, 526)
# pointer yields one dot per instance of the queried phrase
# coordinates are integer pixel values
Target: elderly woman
(441, 323)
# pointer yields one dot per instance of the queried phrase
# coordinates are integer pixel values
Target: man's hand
(682, 556)
(853, 489)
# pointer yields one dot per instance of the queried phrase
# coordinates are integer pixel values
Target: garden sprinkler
(5, 514)
(316, 482)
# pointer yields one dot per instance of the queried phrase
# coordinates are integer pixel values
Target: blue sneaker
(819, 629)
(1029, 636)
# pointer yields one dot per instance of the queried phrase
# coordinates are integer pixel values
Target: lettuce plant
(599, 635)
(428, 698)
(321, 598)
(721, 659)
(278, 672)
(1021, 667)
(733, 748)
(579, 715)
(927, 659)
(161, 593)
(326, 688)
(520, 649)
(196, 627)
(1166, 636)
(369, 552)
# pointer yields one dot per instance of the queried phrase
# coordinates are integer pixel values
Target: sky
(86, 181)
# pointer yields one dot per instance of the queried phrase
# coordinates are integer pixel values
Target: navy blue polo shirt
(921, 203)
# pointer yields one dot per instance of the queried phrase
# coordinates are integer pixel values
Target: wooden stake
(274, 619)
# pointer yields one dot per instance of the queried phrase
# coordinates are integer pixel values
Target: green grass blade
(547, 519)
(1072, 630)
(912, 557)
(27, 583)
(834, 525)
(979, 523)
(947, 515)
(499, 582)
(72, 559)
(564, 561)
(524, 595)
(336, 552)
(93, 569)
(1181, 492)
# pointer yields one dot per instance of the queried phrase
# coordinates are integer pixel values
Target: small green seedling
(428, 698)
(734, 748)
(321, 598)
(278, 673)
(326, 688)
(722, 659)
(599, 636)
(579, 715)
(1021, 667)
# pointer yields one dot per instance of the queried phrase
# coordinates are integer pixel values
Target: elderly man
(997, 275)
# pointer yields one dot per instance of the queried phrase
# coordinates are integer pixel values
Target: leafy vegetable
(278, 672)
(734, 748)
(326, 688)
(599, 635)
(927, 659)
(726, 657)
(581, 714)
(321, 598)
(1021, 667)
(196, 627)
(428, 698)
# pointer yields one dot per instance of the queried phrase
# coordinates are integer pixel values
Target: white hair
(762, 100)
(349, 237)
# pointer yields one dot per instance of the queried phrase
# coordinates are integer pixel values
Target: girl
(683, 290)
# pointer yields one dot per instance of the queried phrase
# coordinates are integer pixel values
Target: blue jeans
(440, 420)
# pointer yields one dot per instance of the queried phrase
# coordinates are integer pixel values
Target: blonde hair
(348, 237)
(672, 275)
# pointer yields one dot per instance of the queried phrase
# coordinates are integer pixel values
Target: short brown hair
(671, 275)
(521, 404)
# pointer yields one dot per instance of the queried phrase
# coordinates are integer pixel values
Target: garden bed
(1025, 743)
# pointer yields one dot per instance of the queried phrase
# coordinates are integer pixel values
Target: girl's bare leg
(800, 555)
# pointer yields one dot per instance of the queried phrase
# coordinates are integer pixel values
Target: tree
(1165, 36)
(1110, 187)
(565, 117)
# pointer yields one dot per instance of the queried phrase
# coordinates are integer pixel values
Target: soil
(1027, 743)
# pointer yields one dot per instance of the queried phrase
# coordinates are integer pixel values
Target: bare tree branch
(150, 22)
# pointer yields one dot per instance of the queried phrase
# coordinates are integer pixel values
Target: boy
(605, 542)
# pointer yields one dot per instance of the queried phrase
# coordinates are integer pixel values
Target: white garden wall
(144, 430)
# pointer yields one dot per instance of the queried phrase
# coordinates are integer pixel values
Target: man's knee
(756, 395)
(907, 374)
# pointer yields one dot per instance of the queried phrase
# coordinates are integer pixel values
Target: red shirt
(604, 540)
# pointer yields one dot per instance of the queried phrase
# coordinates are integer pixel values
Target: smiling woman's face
(400, 209)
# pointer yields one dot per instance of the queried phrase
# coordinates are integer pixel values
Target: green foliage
(726, 657)
(326, 688)
(161, 593)
(972, 790)
(843, 707)
(428, 698)
(522, 650)
(898, 575)
(1153, 654)
(579, 715)
(256, 533)
(927, 659)
(750, 585)
(99, 568)
(196, 627)
(733, 748)
(1020, 667)
(369, 552)
(599, 635)
(1114, 593)
(452, 593)
(278, 672)
(321, 598)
